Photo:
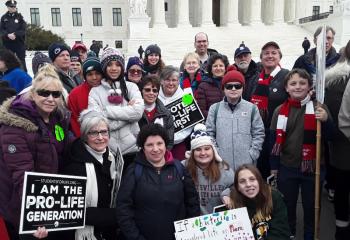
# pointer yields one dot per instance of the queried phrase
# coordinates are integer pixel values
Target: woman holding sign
(156, 190)
(89, 156)
(33, 137)
(265, 206)
(169, 92)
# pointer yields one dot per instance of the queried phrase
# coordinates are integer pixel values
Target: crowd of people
(92, 114)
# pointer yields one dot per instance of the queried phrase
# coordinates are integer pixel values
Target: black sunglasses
(233, 86)
(135, 72)
(47, 93)
(154, 90)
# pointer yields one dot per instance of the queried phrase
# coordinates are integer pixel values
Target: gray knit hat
(38, 60)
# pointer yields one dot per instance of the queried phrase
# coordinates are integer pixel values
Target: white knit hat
(199, 138)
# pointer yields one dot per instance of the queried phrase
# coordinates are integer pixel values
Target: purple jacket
(27, 144)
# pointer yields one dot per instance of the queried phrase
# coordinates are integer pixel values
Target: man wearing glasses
(308, 60)
(13, 30)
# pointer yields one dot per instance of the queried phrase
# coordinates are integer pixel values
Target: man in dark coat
(306, 45)
(60, 56)
(308, 60)
(13, 31)
(249, 68)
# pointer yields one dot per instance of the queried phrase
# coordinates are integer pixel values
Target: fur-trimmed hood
(338, 73)
(11, 119)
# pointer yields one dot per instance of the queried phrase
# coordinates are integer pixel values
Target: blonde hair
(46, 76)
(193, 55)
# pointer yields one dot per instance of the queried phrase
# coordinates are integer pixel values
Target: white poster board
(227, 225)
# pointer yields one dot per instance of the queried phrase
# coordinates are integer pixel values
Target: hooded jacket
(27, 144)
(147, 207)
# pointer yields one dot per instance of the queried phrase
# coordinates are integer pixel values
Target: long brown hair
(212, 171)
(263, 199)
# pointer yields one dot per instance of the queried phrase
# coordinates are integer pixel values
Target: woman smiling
(33, 137)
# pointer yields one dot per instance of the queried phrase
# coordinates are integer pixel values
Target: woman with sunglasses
(33, 137)
(134, 70)
(120, 102)
(243, 142)
(90, 157)
(155, 111)
(209, 90)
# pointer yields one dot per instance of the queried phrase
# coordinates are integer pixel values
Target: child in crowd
(293, 142)
(209, 172)
(236, 124)
(265, 206)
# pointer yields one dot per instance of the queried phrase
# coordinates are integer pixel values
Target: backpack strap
(179, 168)
(138, 171)
(217, 105)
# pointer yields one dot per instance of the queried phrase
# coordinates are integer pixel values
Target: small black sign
(56, 202)
(185, 111)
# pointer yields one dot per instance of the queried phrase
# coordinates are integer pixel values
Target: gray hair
(89, 119)
(168, 71)
(319, 29)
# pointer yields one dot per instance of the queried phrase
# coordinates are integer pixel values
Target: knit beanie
(38, 60)
(232, 76)
(92, 64)
(152, 49)
(56, 48)
(111, 54)
(74, 56)
(199, 138)
(134, 61)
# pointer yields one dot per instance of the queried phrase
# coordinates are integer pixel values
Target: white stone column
(278, 11)
(232, 12)
(255, 17)
(290, 10)
(183, 13)
(158, 13)
(207, 13)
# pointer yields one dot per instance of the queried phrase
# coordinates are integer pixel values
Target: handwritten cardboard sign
(227, 225)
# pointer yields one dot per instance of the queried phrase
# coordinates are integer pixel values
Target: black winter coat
(168, 122)
(147, 207)
(102, 217)
(13, 23)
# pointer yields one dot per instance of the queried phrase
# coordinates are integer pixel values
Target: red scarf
(260, 96)
(186, 83)
(309, 140)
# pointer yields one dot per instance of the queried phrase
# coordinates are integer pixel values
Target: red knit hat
(232, 76)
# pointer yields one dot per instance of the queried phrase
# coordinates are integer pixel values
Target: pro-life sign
(185, 112)
(56, 202)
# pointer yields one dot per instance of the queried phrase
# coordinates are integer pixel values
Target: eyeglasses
(135, 71)
(154, 90)
(47, 93)
(95, 134)
(233, 86)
